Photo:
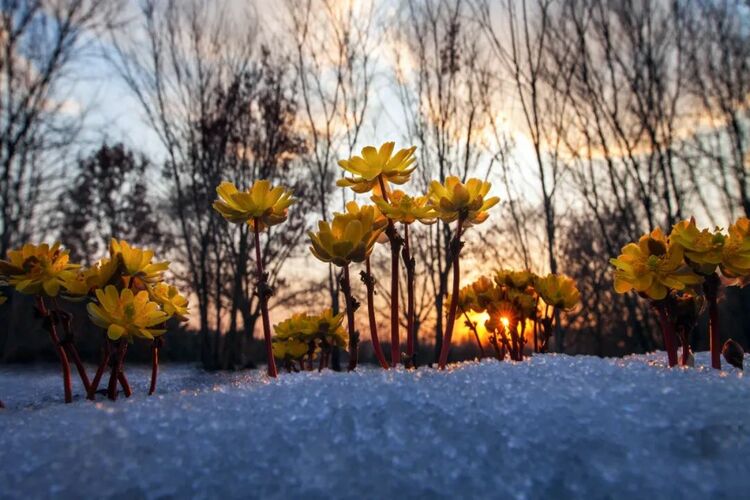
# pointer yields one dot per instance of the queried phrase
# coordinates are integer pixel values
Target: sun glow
(464, 332)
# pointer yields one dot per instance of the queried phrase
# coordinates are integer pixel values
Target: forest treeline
(595, 120)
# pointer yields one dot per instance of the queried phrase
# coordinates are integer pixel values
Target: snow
(553, 426)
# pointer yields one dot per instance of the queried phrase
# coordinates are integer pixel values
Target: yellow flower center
(129, 312)
(653, 262)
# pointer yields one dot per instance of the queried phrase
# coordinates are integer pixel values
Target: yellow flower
(262, 202)
(101, 273)
(558, 290)
(289, 349)
(170, 300)
(85, 281)
(350, 237)
(456, 200)
(703, 248)
(329, 326)
(735, 257)
(375, 164)
(524, 302)
(136, 262)
(76, 287)
(503, 315)
(484, 291)
(38, 269)
(515, 279)
(652, 267)
(467, 300)
(306, 328)
(298, 326)
(126, 314)
(406, 209)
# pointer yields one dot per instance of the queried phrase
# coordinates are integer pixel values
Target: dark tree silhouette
(109, 198)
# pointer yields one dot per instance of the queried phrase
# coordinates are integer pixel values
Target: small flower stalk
(466, 204)
(260, 207)
(375, 170)
(348, 239)
(400, 208)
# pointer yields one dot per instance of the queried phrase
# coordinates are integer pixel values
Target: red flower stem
(514, 343)
(395, 244)
(263, 293)
(547, 328)
(114, 376)
(49, 324)
(112, 384)
(99, 372)
(536, 327)
(73, 351)
(711, 289)
(506, 345)
(66, 320)
(454, 298)
(154, 364)
(346, 287)
(124, 383)
(121, 370)
(685, 348)
(473, 327)
(395, 334)
(369, 282)
(493, 341)
(410, 311)
(667, 330)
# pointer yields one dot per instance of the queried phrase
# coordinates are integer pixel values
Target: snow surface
(553, 426)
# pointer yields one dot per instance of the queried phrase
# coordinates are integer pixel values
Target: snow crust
(553, 426)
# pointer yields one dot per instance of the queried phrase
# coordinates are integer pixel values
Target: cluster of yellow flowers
(671, 271)
(513, 300)
(129, 297)
(305, 335)
(351, 235)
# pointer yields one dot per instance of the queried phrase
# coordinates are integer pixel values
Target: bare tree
(40, 41)
(719, 65)
(223, 110)
(441, 81)
(332, 43)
